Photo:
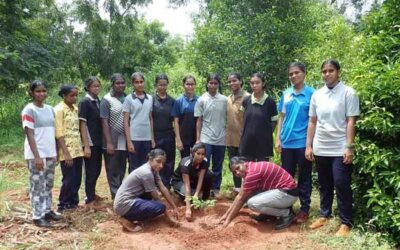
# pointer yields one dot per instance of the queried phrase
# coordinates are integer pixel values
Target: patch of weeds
(201, 204)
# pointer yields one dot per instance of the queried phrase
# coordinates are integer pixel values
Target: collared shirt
(162, 118)
(234, 126)
(139, 181)
(186, 167)
(67, 126)
(89, 111)
(332, 107)
(213, 111)
(264, 176)
(139, 111)
(259, 101)
(295, 106)
(183, 109)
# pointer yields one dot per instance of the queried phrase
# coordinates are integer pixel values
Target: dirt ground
(98, 228)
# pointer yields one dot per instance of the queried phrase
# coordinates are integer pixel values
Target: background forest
(38, 41)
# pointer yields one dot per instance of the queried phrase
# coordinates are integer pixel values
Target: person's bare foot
(129, 226)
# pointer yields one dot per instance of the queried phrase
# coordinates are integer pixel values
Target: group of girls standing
(124, 127)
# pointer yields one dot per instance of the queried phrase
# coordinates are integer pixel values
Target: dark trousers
(232, 152)
(144, 208)
(92, 172)
(215, 155)
(138, 158)
(185, 151)
(71, 182)
(115, 169)
(179, 186)
(295, 157)
(332, 173)
(168, 145)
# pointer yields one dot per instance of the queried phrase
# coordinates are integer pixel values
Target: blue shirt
(183, 105)
(183, 109)
(295, 106)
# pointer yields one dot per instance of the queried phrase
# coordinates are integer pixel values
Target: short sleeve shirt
(139, 112)
(332, 107)
(213, 111)
(295, 106)
(264, 176)
(139, 181)
(89, 111)
(111, 110)
(41, 120)
(67, 126)
(186, 166)
(162, 118)
(183, 109)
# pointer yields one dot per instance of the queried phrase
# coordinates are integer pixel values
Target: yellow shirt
(67, 126)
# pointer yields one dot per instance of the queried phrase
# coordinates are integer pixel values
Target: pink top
(265, 176)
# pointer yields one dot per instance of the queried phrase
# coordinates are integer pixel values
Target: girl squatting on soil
(138, 200)
(40, 153)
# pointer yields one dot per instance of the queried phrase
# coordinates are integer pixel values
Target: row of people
(242, 122)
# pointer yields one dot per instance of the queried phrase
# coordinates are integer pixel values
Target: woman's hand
(179, 145)
(188, 214)
(110, 149)
(87, 152)
(69, 162)
(348, 156)
(39, 164)
(309, 154)
(278, 146)
(131, 148)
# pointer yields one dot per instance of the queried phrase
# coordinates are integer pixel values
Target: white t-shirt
(332, 107)
(41, 120)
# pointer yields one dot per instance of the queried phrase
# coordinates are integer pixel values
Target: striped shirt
(265, 176)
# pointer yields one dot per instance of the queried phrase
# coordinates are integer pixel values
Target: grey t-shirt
(213, 110)
(139, 181)
(139, 112)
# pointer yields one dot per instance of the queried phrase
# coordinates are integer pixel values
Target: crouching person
(192, 177)
(137, 200)
(268, 189)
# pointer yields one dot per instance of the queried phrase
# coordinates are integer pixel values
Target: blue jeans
(234, 151)
(92, 172)
(143, 209)
(295, 157)
(215, 155)
(332, 173)
(71, 182)
(168, 145)
(272, 202)
(139, 158)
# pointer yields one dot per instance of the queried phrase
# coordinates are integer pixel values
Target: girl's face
(330, 74)
(234, 83)
(71, 97)
(39, 94)
(212, 86)
(199, 155)
(189, 86)
(138, 84)
(256, 85)
(119, 86)
(94, 88)
(296, 76)
(157, 163)
(162, 86)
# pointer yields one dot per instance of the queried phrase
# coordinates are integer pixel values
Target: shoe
(129, 226)
(343, 231)
(320, 222)
(301, 217)
(53, 216)
(260, 217)
(42, 223)
(285, 221)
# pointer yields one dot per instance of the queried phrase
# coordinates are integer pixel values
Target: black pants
(92, 172)
(232, 152)
(71, 182)
(115, 169)
(179, 186)
(333, 174)
(168, 145)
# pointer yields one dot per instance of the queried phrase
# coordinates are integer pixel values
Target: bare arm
(179, 144)
(32, 144)
(85, 138)
(200, 181)
(67, 157)
(278, 146)
(235, 207)
(131, 148)
(350, 135)
(107, 136)
(199, 124)
(312, 123)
